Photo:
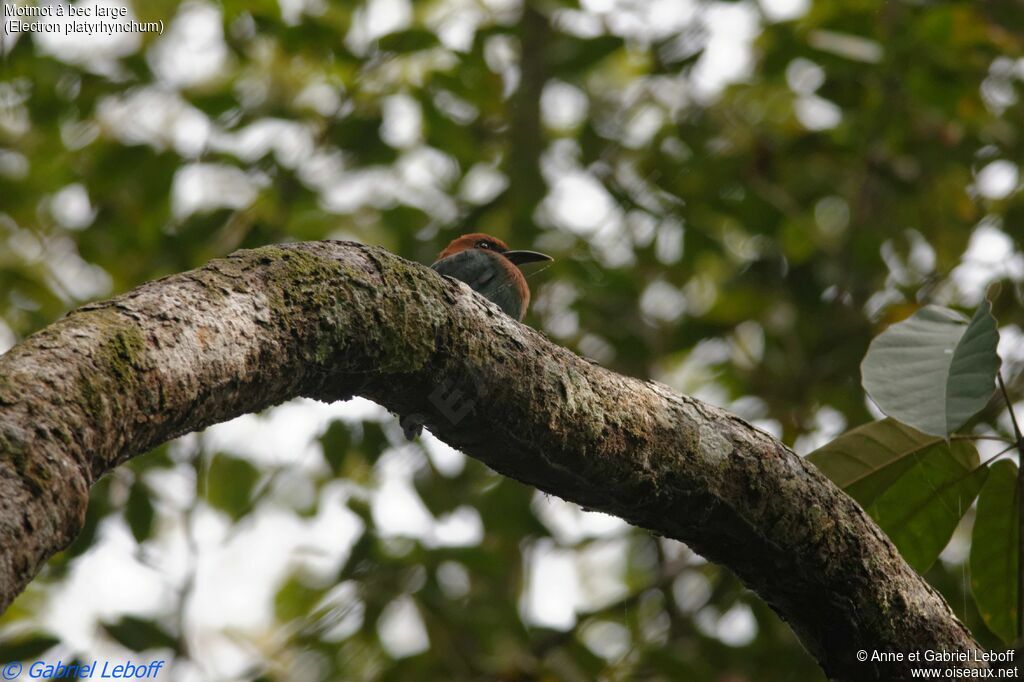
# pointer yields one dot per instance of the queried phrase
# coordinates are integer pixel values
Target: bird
(490, 268)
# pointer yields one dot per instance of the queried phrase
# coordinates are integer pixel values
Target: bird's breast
(492, 276)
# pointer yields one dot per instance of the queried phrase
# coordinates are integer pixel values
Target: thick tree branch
(329, 320)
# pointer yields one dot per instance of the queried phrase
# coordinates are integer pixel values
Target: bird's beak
(520, 257)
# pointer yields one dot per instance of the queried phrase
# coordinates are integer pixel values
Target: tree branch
(329, 320)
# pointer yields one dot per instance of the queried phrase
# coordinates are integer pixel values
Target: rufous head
(485, 242)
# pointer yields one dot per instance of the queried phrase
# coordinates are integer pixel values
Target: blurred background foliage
(739, 195)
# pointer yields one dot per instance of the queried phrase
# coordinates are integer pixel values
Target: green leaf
(411, 40)
(229, 484)
(574, 55)
(866, 460)
(922, 508)
(934, 370)
(296, 599)
(336, 443)
(374, 441)
(26, 648)
(995, 551)
(138, 511)
(139, 634)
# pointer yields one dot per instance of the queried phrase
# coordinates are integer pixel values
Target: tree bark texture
(329, 320)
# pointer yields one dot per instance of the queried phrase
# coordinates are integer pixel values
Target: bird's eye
(483, 244)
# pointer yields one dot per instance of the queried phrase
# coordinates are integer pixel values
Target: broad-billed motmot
(487, 265)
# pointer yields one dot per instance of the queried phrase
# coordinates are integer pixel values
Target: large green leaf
(995, 556)
(572, 56)
(866, 460)
(296, 598)
(139, 512)
(336, 443)
(229, 483)
(26, 648)
(934, 370)
(139, 634)
(410, 40)
(922, 508)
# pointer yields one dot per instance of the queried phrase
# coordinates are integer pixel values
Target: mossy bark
(330, 320)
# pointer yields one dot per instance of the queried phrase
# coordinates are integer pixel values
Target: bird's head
(485, 242)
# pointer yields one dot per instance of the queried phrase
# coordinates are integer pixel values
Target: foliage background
(739, 195)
